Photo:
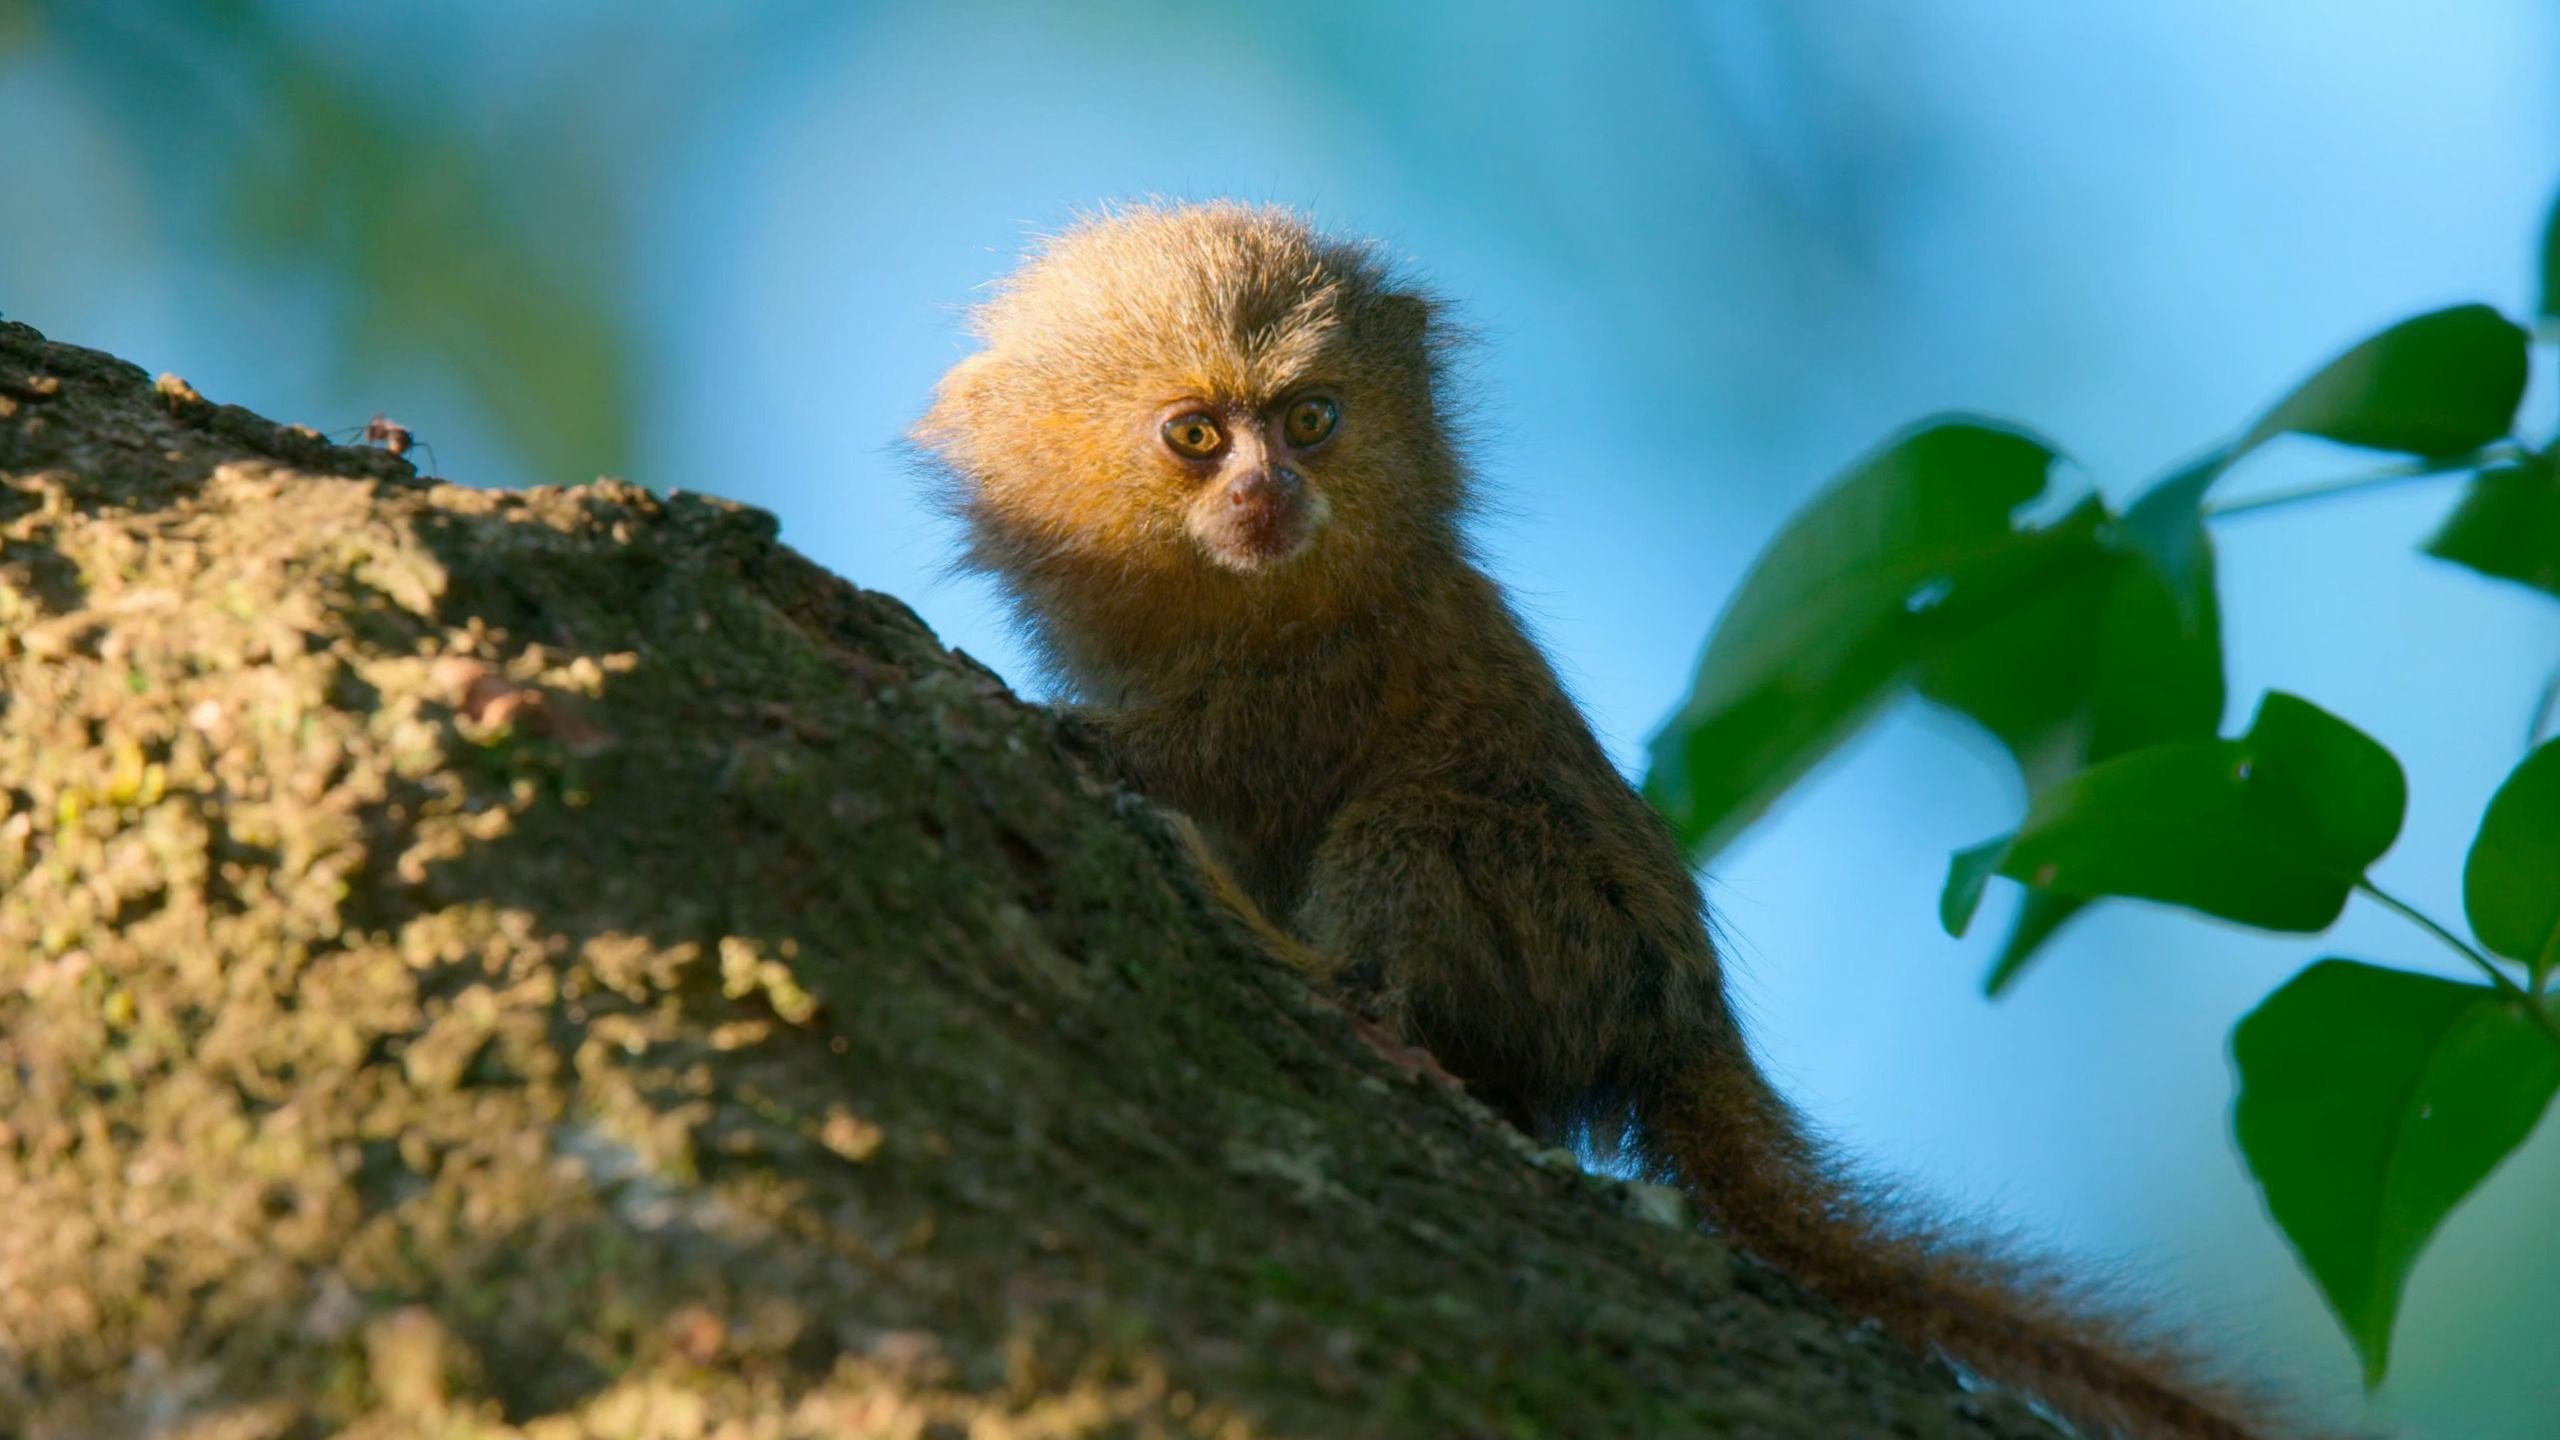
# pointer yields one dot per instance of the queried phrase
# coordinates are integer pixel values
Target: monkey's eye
(1195, 436)
(1311, 421)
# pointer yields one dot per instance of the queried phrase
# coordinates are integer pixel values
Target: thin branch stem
(2547, 330)
(2542, 709)
(2370, 480)
(2534, 1009)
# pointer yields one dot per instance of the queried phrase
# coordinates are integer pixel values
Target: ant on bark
(388, 433)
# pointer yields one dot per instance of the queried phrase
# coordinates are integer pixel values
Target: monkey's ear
(1408, 316)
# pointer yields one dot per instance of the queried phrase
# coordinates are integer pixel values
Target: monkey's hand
(1228, 895)
(1359, 986)
(1412, 1059)
(1085, 733)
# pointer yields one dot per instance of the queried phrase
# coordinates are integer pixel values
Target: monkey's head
(1199, 416)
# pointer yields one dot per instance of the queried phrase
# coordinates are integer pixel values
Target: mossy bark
(559, 964)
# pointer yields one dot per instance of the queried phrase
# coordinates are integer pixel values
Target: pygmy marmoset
(1208, 450)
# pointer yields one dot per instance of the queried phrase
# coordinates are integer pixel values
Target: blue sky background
(1715, 250)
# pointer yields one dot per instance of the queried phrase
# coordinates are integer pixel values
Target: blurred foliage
(2372, 1099)
(495, 256)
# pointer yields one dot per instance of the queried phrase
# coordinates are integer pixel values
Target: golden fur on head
(1048, 436)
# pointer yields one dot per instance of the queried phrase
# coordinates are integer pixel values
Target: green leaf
(2166, 527)
(2025, 673)
(2105, 660)
(2441, 384)
(2273, 829)
(1914, 544)
(1968, 875)
(2101, 659)
(2508, 524)
(2511, 882)
(2371, 1102)
(2041, 916)
(2159, 673)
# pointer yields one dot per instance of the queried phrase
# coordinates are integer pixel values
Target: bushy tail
(1745, 1158)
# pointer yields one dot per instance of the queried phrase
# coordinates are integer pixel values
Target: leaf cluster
(2372, 1099)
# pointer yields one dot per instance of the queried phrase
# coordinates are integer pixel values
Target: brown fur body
(1378, 754)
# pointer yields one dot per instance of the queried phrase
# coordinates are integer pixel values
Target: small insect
(388, 433)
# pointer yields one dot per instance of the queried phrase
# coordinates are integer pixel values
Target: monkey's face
(1247, 467)
(1200, 417)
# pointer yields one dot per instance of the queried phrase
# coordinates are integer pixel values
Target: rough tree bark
(559, 964)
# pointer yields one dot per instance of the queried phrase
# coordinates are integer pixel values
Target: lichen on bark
(559, 964)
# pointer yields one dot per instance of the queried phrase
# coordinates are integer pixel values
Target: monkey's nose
(1256, 516)
(1271, 487)
(1261, 500)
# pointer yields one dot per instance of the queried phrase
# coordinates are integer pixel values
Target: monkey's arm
(1475, 928)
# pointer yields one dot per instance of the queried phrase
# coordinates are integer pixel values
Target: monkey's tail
(1746, 1159)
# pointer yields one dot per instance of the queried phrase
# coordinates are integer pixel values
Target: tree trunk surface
(559, 964)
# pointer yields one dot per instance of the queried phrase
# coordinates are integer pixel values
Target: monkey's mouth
(1257, 520)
